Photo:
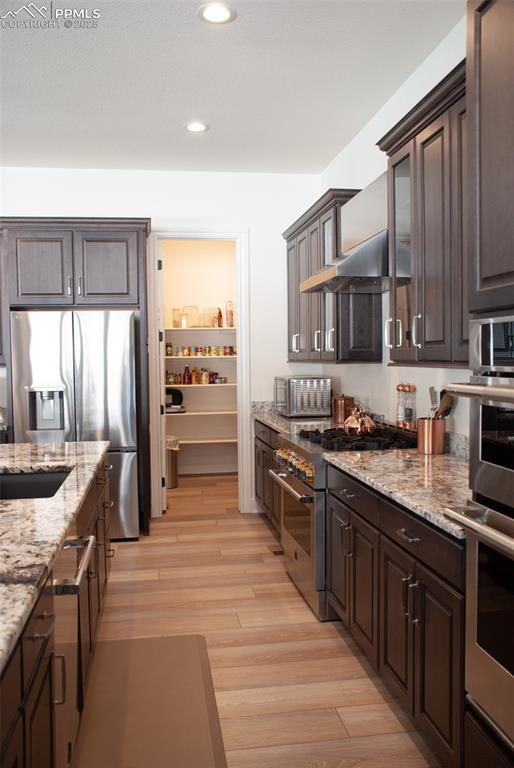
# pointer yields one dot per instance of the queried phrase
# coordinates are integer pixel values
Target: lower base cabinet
(14, 750)
(267, 493)
(39, 718)
(407, 619)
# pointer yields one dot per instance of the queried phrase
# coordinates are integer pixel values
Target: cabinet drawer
(37, 632)
(273, 439)
(354, 494)
(262, 432)
(436, 550)
(10, 694)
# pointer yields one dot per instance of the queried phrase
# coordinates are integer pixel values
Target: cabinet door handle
(346, 530)
(62, 659)
(317, 346)
(402, 533)
(110, 552)
(405, 595)
(410, 603)
(294, 345)
(399, 329)
(346, 493)
(69, 285)
(387, 332)
(42, 635)
(108, 504)
(351, 541)
(415, 331)
(330, 340)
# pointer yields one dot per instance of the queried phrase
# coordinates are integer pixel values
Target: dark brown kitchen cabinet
(459, 174)
(106, 267)
(312, 243)
(363, 573)
(490, 99)
(431, 330)
(338, 574)
(304, 304)
(40, 267)
(482, 747)
(38, 715)
(267, 492)
(353, 574)
(396, 631)
(293, 298)
(398, 325)
(427, 171)
(13, 754)
(438, 619)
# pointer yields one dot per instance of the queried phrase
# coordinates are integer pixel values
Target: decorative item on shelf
(169, 350)
(195, 376)
(176, 315)
(229, 312)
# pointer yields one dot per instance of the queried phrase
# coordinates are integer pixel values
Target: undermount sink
(31, 485)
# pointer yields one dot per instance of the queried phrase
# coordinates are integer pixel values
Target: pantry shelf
(199, 386)
(202, 413)
(200, 357)
(199, 328)
(206, 440)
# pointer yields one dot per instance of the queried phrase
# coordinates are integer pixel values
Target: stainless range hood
(364, 263)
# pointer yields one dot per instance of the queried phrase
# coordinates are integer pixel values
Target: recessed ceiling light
(217, 13)
(196, 126)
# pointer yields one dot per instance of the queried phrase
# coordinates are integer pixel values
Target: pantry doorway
(199, 362)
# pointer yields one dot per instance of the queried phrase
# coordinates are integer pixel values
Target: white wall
(361, 161)
(356, 166)
(262, 205)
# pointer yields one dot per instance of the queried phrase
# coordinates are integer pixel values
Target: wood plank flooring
(292, 692)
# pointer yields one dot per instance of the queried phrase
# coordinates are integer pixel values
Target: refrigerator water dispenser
(46, 409)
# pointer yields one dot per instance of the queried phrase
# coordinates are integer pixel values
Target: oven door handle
(73, 586)
(500, 394)
(301, 498)
(484, 532)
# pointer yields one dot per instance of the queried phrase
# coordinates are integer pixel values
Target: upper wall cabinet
(427, 170)
(40, 266)
(326, 326)
(490, 96)
(61, 262)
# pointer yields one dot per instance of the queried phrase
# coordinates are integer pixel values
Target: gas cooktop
(385, 437)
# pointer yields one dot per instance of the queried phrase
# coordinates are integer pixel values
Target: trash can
(172, 449)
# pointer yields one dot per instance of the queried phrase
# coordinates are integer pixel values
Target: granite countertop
(32, 530)
(425, 485)
(265, 412)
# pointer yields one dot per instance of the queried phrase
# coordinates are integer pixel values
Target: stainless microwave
(297, 396)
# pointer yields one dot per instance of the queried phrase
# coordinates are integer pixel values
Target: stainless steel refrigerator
(73, 378)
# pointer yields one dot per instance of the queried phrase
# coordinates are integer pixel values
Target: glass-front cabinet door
(401, 329)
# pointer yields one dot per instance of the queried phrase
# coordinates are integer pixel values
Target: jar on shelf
(169, 350)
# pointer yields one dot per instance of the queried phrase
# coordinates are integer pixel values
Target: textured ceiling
(284, 87)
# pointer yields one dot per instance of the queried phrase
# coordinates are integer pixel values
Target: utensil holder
(431, 436)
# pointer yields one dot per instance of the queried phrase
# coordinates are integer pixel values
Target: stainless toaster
(303, 395)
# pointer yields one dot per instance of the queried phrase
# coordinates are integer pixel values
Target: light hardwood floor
(292, 692)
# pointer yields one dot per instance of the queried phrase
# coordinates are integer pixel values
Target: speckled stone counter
(265, 412)
(425, 485)
(32, 530)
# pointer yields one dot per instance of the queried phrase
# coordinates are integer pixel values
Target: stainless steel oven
(303, 538)
(491, 389)
(490, 614)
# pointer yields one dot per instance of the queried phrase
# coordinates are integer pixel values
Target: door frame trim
(244, 425)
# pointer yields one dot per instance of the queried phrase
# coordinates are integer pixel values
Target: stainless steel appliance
(301, 473)
(491, 389)
(73, 575)
(73, 376)
(489, 523)
(363, 262)
(303, 395)
(490, 614)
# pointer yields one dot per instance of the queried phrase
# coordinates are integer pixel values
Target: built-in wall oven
(489, 523)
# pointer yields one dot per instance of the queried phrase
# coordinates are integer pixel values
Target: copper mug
(342, 408)
(431, 436)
